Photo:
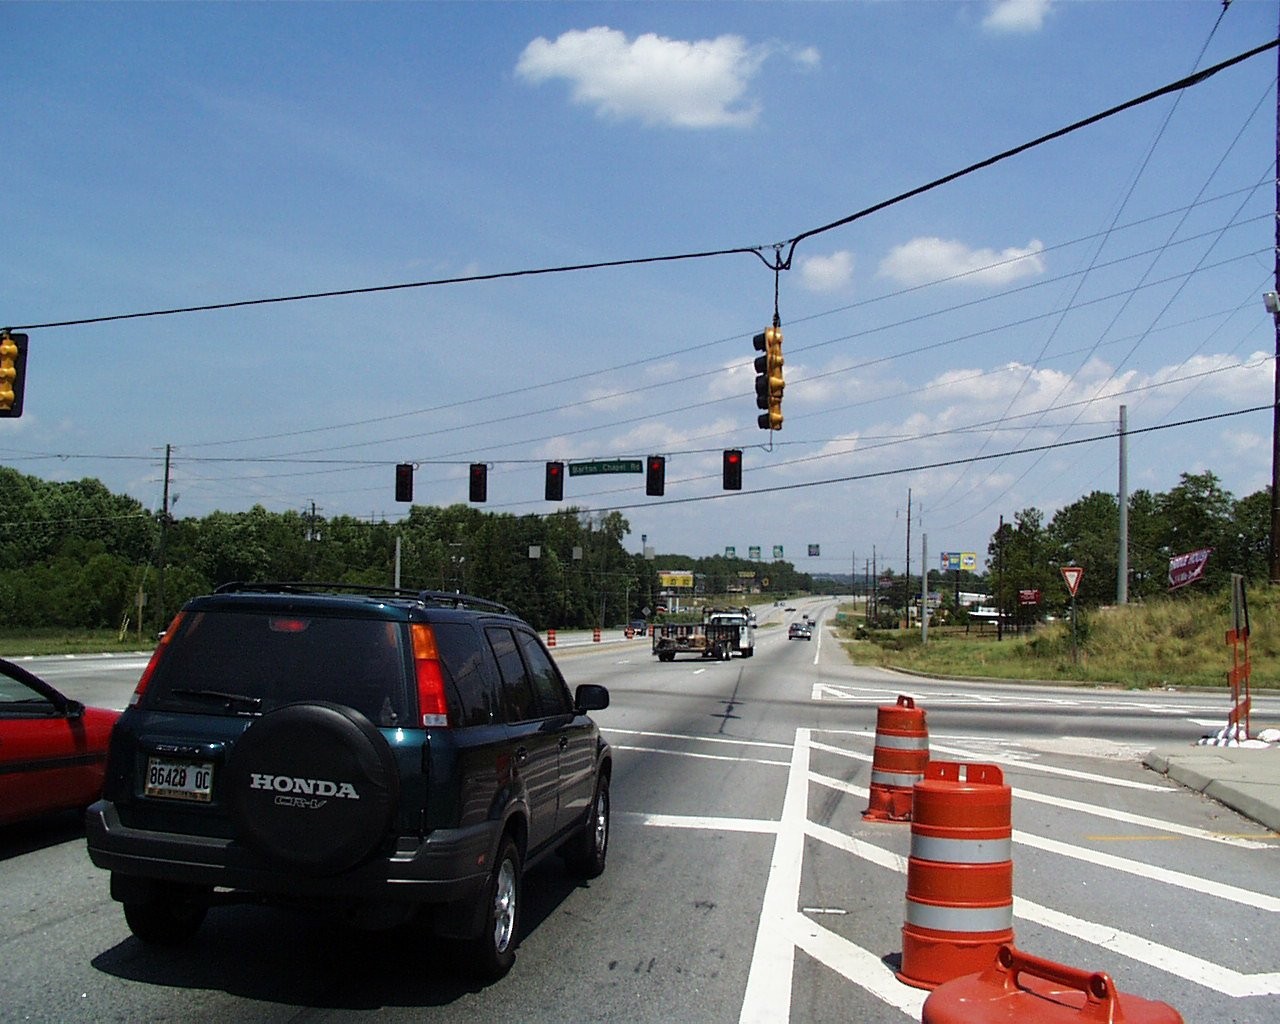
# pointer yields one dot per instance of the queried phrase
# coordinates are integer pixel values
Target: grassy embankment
(1179, 641)
(16, 644)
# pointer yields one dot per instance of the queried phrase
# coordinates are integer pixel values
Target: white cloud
(926, 260)
(1016, 15)
(827, 273)
(657, 80)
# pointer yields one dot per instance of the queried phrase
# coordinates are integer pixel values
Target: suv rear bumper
(448, 865)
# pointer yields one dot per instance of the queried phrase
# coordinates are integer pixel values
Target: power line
(755, 250)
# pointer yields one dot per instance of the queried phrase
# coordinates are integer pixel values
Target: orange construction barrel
(898, 760)
(551, 638)
(595, 634)
(1021, 987)
(960, 873)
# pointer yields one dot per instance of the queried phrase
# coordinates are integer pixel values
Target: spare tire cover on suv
(312, 786)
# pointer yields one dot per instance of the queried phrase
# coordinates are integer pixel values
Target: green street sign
(597, 466)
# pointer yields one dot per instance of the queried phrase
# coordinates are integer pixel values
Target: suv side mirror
(591, 697)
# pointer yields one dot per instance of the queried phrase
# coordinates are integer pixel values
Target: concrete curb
(1246, 780)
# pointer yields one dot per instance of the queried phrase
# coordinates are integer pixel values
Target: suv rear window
(229, 662)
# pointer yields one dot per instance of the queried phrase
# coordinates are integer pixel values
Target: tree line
(75, 555)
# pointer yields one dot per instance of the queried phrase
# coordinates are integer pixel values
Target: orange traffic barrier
(959, 875)
(595, 634)
(1018, 986)
(551, 638)
(898, 761)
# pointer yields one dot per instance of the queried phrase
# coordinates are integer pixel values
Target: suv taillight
(156, 655)
(432, 703)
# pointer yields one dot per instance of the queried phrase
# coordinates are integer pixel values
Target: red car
(52, 749)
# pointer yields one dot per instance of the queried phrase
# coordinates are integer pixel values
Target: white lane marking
(768, 996)
(1173, 961)
(1195, 969)
(1179, 879)
(1141, 820)
(694, 738)
(757, 825)
(1047, 769)
(874, 696)
(1207, 887)
(699, 756)
(858, 965)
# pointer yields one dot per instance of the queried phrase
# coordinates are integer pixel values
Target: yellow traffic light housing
(13, 373)
(769, 382)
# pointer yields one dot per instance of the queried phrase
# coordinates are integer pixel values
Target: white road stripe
(768, 996)
(701, 757)
(1205, 886)
(1196, 969)
(698, 739)
(689, 821)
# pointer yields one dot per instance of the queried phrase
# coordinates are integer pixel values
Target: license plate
(179, 780)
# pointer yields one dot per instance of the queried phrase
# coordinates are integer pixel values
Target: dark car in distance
(387, 755)
(799, 631)
(53, 750)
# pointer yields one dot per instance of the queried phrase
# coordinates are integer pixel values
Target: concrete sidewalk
(1242, 778)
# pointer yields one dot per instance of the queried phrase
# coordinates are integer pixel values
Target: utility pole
(164, 530)
(906, 584)
(1000, 580)
(924, 588)
(1273, 304)
(1122, 561)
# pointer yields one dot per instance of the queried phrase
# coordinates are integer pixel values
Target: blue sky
(161, 156)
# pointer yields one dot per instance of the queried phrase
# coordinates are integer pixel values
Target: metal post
(1274, 567)
(1122, 562)
(924, 588)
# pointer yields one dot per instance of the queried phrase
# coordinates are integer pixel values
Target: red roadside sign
(1073, 574)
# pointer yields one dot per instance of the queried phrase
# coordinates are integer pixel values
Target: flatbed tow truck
(719, 635)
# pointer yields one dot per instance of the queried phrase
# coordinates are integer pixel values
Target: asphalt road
(743, 882)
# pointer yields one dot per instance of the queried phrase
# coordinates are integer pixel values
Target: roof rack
(307, 587)
(448, 598)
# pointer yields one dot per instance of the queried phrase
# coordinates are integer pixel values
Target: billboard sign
(1188, 568)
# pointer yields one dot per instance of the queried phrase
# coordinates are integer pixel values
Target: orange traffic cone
(898, 761)
(959, 875)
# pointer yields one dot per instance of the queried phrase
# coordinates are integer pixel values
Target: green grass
(14, 644)
(1180, 641)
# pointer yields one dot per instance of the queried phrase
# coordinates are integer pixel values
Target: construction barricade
(898, 761)
(595, 635)
(551, 638)
(959, 908)
(1020, 987)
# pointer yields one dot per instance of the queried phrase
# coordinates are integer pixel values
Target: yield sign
(1072, 574)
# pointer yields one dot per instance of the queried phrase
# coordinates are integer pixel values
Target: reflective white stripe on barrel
(894, 742)
(959, 919)
(903, 779)
(961, 851)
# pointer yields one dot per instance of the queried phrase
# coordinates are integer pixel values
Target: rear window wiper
(230, 699)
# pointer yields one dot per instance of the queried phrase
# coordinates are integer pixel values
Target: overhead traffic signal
(479, 481)
(404, 481)
(13, 372)
(769, 382)
(555, 481)
(733, 469)
(655, 476)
